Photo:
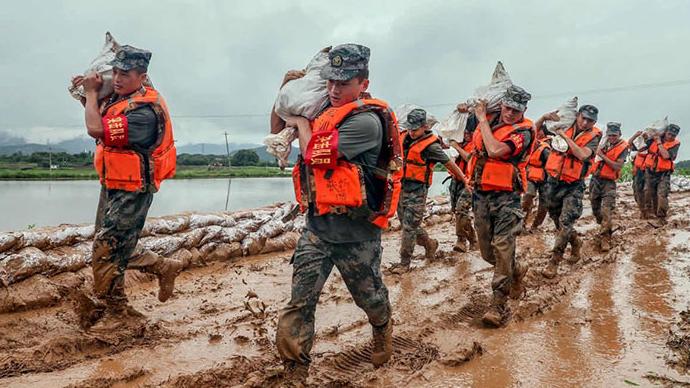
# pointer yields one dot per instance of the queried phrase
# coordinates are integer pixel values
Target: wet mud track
(612, 319)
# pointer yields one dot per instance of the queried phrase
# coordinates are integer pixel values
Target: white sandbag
(559, 144)
(280, 145)
(100, 65)
(566, 113)
(305, 96)
(658, 126)
(494, 91)
(452, 127)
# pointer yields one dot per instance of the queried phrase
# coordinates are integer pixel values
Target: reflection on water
(23, 203)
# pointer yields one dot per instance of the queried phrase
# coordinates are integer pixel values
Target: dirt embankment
(602, 321)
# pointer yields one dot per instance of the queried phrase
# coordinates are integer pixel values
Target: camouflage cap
(516, 98)
(613, 128)
(128, 58)
(416, 118)
(673, 129)
(345, 62)
(589, 112)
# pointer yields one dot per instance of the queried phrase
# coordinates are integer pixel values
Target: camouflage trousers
(359, 265)
(564, 203)
(638, 188)
(602, 196)
(119, 220)
(461, 206)
(498, 219)
(411, 209)
(656, 189)
(534, 189)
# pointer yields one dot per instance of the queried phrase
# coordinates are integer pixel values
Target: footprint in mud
(408, 354)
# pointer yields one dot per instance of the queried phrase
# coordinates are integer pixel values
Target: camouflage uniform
(565, 207)
(121, 214)
(359, 264)
(498, 219)
(602, 196)
(497, 214)
(347, 241)
(534, 190)
(461, 206)
(638, 188)
(411, 209)
(656, 190)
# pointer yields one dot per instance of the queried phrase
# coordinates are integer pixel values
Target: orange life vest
(415, 168)
(123, 168)
(638, 163)
(603, 170)
(489, 174)
(655, 162)
(335, 185)
(535, 167)
(565, 166)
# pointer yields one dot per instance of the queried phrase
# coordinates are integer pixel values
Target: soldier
(659, 164)
(354, 142)
(536, 174)
(460, 194)
(565, 184)
(135, 152)
(421, 150)
(502, 143)
(602, 186)
(638, 169)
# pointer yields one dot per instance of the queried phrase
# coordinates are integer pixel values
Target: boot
(497, 311)
(551, 269)
(575, 247)
(605, 244)
(383, 343)
(516, 286)
(167, 270)
(402, 267)
(430, 249)
(460, 245)
(295, 374)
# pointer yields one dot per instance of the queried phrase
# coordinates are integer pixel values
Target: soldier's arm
(669, 154)
(463, 154)
(616, 165)
(494, 148)
(582, 153)
(92, 113)
(303, 132)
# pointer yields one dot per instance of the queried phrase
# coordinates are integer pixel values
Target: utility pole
(227, 147)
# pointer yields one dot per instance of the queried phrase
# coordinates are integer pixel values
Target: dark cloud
(214, 58)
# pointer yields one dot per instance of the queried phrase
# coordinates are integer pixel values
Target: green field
(18, 172)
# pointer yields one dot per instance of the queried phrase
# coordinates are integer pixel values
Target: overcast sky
(228, 57)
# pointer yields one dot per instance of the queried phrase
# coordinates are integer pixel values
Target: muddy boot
(382, 349)
(460, 245)
(402, 267)
(430, 249)
(605, 244)
(295, 374)
(551, 269)
(165, 269)
(89, 309)
(516, 286)
(497, 311)
(575, 248)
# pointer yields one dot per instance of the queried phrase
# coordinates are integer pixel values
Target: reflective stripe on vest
(415, 168)
(489, 174)
(565, 166)
(123, 168)
(603, 170)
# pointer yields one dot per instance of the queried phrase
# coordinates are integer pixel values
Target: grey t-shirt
(142, 125)
(360, 138)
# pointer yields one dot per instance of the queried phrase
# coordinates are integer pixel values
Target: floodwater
(45, 203)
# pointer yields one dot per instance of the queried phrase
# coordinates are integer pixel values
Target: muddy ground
(614, 319)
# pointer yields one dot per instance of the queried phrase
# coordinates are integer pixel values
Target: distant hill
(683, 164)
(213, 149)
(266, 157)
